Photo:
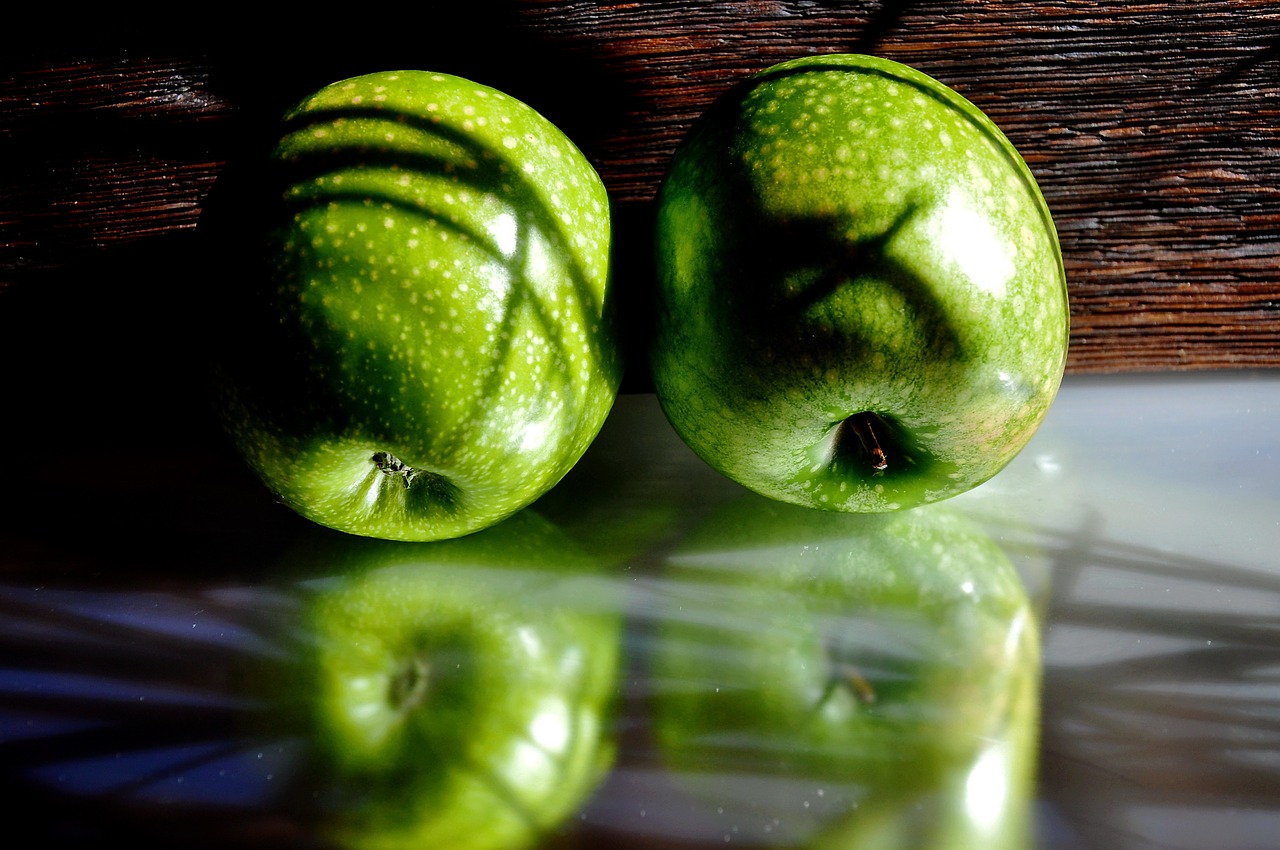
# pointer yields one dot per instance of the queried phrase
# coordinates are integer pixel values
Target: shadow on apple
(456, 156)
(236, 222)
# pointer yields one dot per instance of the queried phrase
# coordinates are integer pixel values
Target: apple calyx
(431, 485)
(863, 444)
(864, 426)
(408, 688)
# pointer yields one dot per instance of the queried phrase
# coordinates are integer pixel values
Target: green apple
(450, 694)
(861, 298)
(849, 680)
(428, 344)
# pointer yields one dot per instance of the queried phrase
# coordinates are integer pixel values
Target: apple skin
(427, 344)
(837, 678)
(843, 242)
(451, 694)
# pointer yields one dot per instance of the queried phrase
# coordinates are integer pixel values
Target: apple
(825, 679)
(427, 343)
(861, 301)
(449, 694)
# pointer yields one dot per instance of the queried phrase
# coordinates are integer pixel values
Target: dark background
(1153, 128)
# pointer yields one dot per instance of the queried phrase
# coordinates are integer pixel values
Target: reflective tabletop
(1126, 678)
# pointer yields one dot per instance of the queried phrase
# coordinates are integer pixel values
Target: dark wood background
(1153, 128)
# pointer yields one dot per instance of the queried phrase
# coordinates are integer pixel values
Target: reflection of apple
(428, 345)
(813, 664)
(861, 298)
(455, 694)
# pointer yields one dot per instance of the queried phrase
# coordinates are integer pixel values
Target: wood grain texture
(1153, 128)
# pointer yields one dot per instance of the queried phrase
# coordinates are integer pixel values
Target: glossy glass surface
(1143, 522)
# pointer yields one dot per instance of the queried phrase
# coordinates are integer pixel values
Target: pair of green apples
(860, 307)
(860, 301)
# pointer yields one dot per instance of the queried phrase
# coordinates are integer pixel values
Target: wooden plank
(1154, 129)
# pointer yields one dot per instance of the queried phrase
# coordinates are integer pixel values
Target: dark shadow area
(632, 273)
(266, 71)
(264, 67)
(1266, 53)
(110, 440)
(881, 25)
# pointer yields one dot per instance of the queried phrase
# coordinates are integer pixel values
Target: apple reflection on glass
(831, 680)
(450, 694)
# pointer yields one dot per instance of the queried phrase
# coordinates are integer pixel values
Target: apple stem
(861, 424)
(861, 687)
(848, 678)
(389, 464)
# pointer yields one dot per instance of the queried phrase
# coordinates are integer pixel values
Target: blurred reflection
(120, 719)
(362, 694)
(1162, 687)
(124, 714)
(454, 694)
(844, 681)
